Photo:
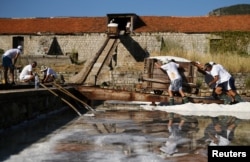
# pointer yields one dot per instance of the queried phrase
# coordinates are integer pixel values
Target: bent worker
(27, 73)
(49, 75)
(224, 82)
(8, 64)
(220, 131)
(207, 76)
(171, 67)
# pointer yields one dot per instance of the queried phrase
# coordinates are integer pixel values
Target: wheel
(158, 92)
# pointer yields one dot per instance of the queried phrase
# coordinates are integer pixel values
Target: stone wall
(153, 42)
(88, 44)
(22, 105)
(85, 45)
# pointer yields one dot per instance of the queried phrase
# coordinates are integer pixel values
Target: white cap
(165, 61)
(20, 47)
(211, 63)
(43, 68)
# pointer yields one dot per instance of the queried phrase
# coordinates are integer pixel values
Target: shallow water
(118, 135)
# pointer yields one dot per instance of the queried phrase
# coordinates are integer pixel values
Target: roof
(72, 25)
(196, 24)
(53, 25)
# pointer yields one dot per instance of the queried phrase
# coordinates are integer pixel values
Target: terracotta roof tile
(72, 25)
(52, 25)
(196, 24)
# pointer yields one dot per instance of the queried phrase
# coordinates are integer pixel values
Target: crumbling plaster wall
(85, 45)
(88, 44)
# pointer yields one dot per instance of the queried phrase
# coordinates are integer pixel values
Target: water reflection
(181, 132)
(123, 135)
(220, 132)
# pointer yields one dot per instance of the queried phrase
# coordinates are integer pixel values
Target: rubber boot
(171, 101)
(214, 95)
(170, 122)
(226, 99)
(185, 100)
(238, 98)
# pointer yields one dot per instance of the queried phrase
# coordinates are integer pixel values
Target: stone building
(84, 35)
(57, 38)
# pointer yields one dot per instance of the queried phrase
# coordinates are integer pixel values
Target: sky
(100, 8)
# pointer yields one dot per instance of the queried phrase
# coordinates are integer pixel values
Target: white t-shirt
(26, 72)
(218, 70)
(11, 53)
(51, 72)
(172, 70)
(128, 25)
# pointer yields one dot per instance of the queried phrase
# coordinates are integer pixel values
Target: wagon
(157, 80)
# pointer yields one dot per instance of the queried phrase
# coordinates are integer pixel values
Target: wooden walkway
(96, 93)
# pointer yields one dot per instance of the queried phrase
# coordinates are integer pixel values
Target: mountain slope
(240, 9)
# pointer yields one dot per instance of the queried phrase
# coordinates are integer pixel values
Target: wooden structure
(153, 80)
(157, 80)
(113, 30)
(96, 93)
(121, 23)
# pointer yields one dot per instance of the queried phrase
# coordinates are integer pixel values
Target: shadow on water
(17, 138)
(123, 135)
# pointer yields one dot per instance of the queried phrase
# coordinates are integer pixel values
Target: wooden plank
(95, 93)
(156, 80)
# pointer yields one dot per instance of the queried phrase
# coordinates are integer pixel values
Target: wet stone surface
(129, 136)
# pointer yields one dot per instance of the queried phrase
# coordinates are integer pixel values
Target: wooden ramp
(90, 72)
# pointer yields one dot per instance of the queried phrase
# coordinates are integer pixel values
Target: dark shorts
(228, 85)
(175, 85)
(7, 62)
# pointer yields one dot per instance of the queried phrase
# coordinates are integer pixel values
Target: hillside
(240, 9)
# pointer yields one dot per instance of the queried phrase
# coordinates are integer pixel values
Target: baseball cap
(207, 65)
(43, 68)
(212, 63)
(20, 47)
(165, 61)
